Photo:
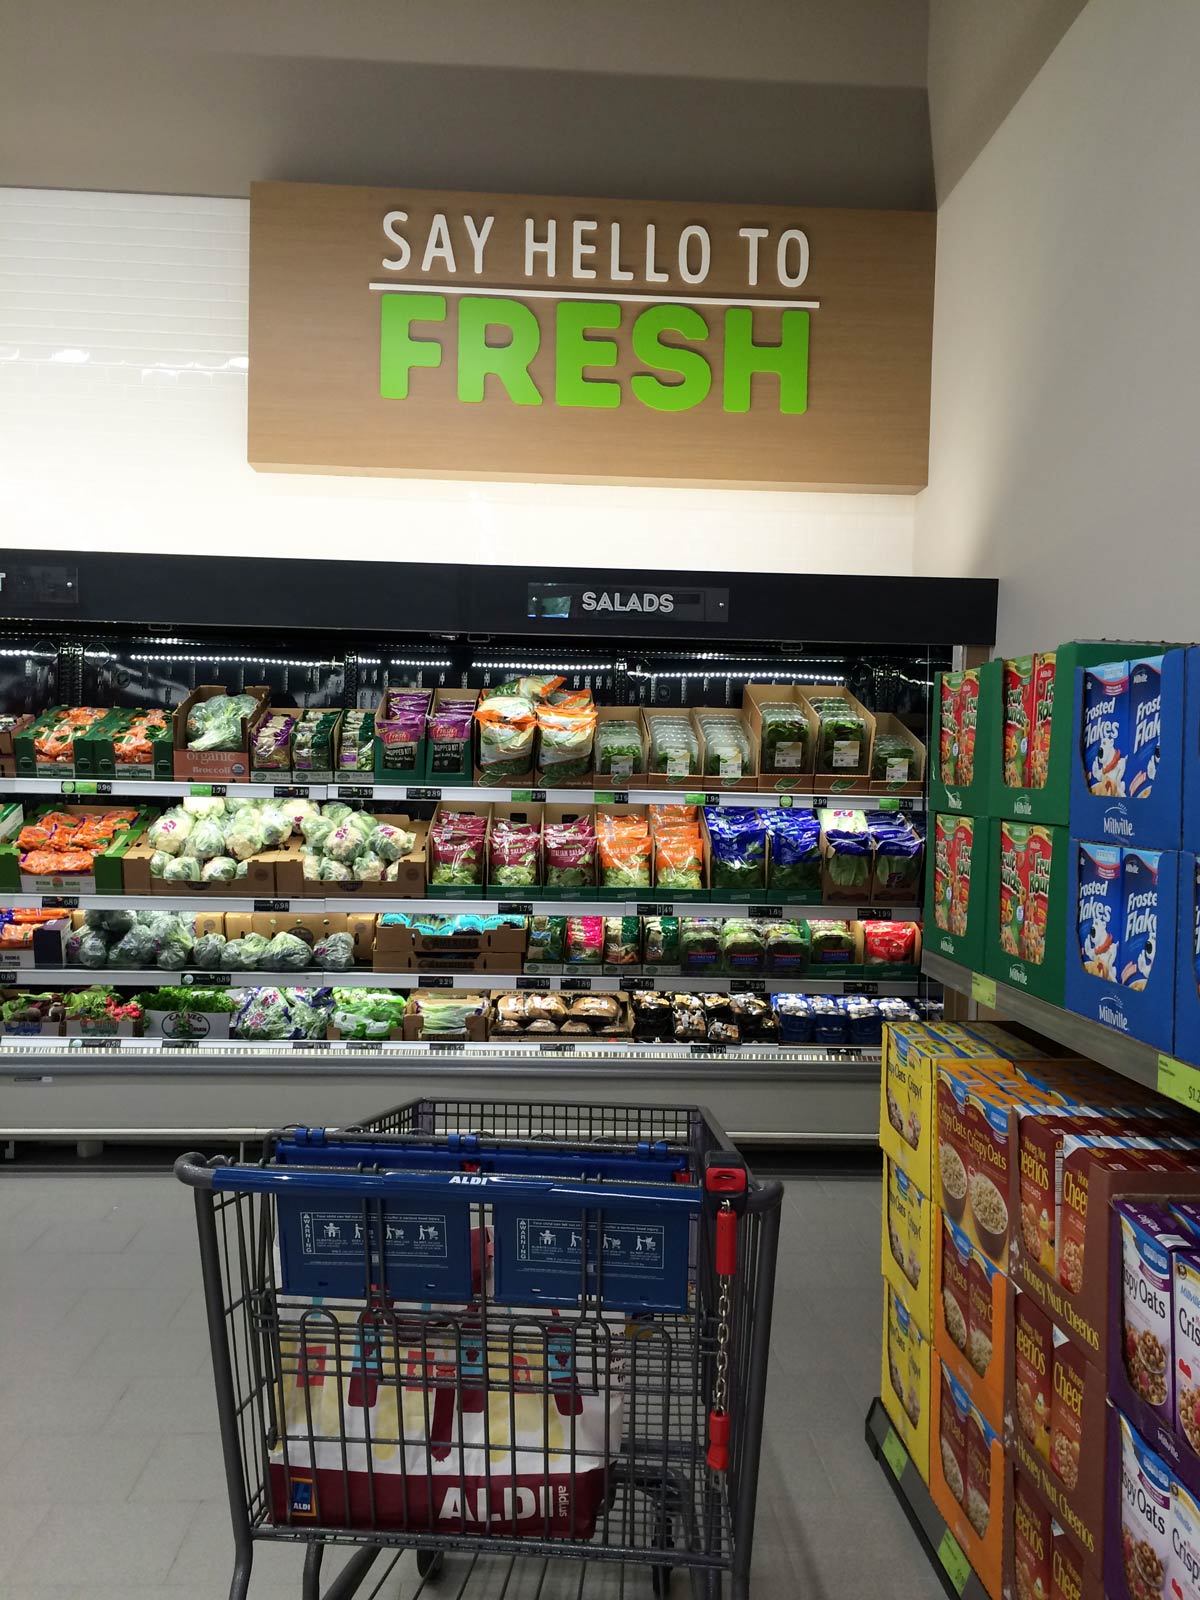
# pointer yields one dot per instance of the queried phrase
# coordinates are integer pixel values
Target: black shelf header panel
(94, 588)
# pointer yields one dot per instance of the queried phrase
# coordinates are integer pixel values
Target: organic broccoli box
(213, 730)
(957, 863)
(1025, 930)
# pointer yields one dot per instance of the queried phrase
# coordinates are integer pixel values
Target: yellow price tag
(983, 990)
(894, 1453)
(951, 1555)
(1179, 1081)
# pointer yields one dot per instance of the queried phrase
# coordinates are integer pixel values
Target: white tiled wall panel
(123, 415)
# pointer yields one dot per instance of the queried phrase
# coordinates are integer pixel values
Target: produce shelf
(648, 905)
(82, 789)
(943, 1549)
(367, 977)
(1075, 1033)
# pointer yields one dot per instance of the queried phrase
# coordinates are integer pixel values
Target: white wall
(1067, 343)
(144, 440)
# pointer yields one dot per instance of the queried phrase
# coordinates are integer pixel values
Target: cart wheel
(429, 1563)
(660, 1577)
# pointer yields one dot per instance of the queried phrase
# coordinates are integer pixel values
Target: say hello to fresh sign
(519, 336)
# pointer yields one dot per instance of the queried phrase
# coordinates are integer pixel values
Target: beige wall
(1067, 342)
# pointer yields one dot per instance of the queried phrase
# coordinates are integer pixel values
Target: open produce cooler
(781, 698)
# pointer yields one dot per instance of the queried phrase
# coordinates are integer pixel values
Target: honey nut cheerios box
(907, 1241)
(904, 1385)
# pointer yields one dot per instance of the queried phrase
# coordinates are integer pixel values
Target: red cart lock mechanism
(726, 1183)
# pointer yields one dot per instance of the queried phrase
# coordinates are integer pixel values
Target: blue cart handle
(472, 1188)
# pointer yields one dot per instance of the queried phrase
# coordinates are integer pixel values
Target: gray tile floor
(110, 1470)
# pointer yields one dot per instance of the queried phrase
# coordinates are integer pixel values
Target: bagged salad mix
(843, 737)
(507, 717)
(785, 743)
(566, 731)
(738, 842)
(849, 853)
(456, 849)
(625, 850)
(899, 855)
(726, 745)
(514, 854)
(795, 862)
(570, 853)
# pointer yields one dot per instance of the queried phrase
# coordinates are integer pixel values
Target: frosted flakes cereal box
(1106, 726)
(1145, 725)
(1099, 912)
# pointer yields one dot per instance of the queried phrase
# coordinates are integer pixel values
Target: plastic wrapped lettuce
(899, 854)
(849, 853)
(795, 852)
(344, 843)
(207, 838)
(182, 869)
(298, 812)
(221, 869)
(178, 947)
(92, 948)
(738, 837)
(507, 724)
(270, 1014)
(367, 1013)
(286, 953)
(316, 831)
(336, 871)
(170, 832)
(114, 922)
(334, 953)
(310, 866)
(276, 826)
(216, 723)
(336, 811)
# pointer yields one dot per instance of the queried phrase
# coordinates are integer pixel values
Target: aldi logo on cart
(304, 1502)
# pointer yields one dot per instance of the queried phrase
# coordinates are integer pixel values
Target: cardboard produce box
(958, 864)
(67, 755)
(1118, 973)
(291, 884)
(402, 949)
(311, 927)
(113, 755)
(187, 1024)
(259, 883)
(278, 766)
(786, 741)
(32, 1025)
(475, 1025)
(1026, 930)
(725, 763)
(844, 761)
(43, 949)
(215, 766)
(622, 768)
(904, 1385)
(8, 755)
(971, 1317)
(969, 1479)
(964, 739)
(908, 1228)
(1128, 764)
(897, 774)
(107, 875)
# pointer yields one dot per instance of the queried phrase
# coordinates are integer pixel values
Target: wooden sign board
(522, 337)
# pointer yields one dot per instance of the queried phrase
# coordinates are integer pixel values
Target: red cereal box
(967, 718)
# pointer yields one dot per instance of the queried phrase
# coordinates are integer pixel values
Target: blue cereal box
(1190, 836)
(1128, 985)
(1187, 960)
(1127, 776)
(1098, 910)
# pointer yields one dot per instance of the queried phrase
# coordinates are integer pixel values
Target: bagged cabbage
(286, 953)
(206, 952)
(244, 837)
(390, 842)
(221, 869)
(276, 827)
(170, 832)
(182, 869)
(240, 955)
(207, 839)
(335, 953)
(177, 951)
(316, 830)
(367, 868)
(110, 921)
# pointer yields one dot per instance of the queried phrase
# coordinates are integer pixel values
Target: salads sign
(460, 334)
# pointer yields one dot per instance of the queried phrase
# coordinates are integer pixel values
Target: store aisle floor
(110, 1468)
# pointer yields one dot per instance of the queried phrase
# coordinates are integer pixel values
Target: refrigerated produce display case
(528, 833)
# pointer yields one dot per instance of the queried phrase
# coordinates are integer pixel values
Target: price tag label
(747, 985)
(446, 1047)
(874, 913)
(1179, 1081)
(515, 908)
(522, 797)
(860, 988)
(272, 905)
(436, 980)
(217, 790)
(894, 1453)
(291, 791)
(578, 985)
(611, 797)
(181, 1044)
(950, 1553)
(60, 902)
(423, 794)
(557, 1047)
(820, 801)
(763, 913)
(85, 786)
(207, 980)
(371, 1047)
(786, 802)
(694, 799)
(983, 990)
(708, 1049)
(91, 1042)
(537, 796)
(638, 983)
(655, 909)
(355, 791)
(533, 983)
(310, 1044)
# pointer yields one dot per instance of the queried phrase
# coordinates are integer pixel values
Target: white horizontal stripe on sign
(567, 293)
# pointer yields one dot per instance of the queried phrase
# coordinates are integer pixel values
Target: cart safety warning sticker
(628, 1260)
(636, 1245)
(339, 1234)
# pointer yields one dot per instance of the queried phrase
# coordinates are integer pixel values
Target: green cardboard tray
(967, 799)
(1046, 978)
(966, 948)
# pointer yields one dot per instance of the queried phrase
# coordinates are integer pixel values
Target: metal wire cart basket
(529, 1333)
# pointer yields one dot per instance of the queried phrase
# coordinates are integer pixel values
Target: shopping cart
(490, 1329)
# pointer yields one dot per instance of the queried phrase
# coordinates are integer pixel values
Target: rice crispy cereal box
(1149, 1242)
(1185, 1304)
(1105, 751)
(966, 718)
(953, 844)
(1014, 839)
(1145, 725)
(1184, 1572)
(949, 686)
(1033, 1342)
(1139, 934)
(1145, 1517)
(1032, 1542)
(1099, 912)
(1044, 667)
(1018, 709)
(1066, 1409)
